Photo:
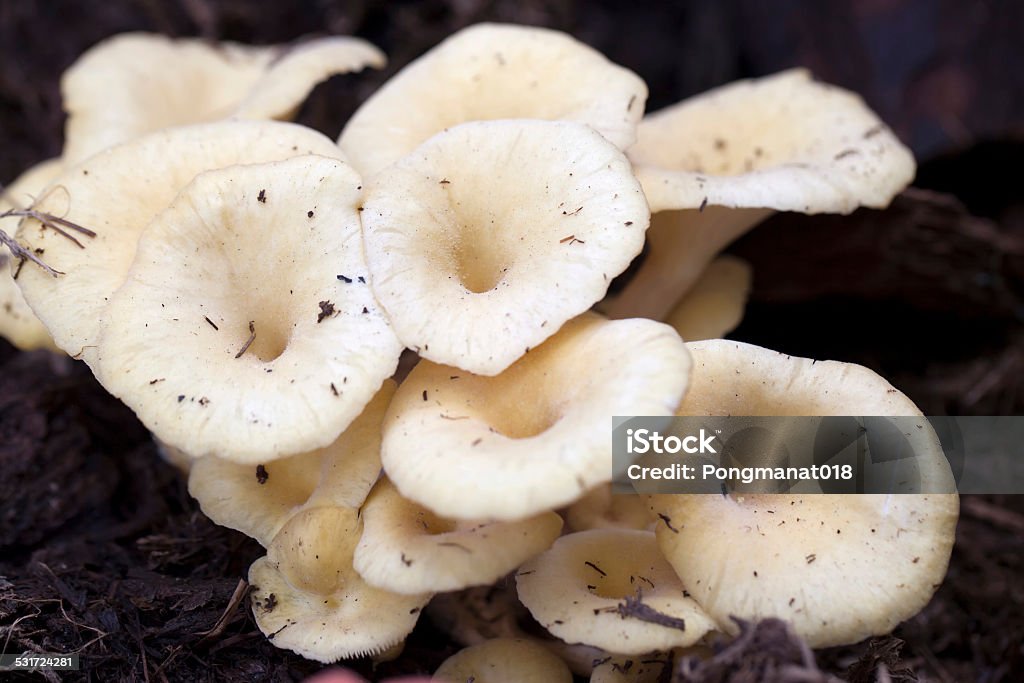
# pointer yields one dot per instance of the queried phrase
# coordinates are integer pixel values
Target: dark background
(101, 550)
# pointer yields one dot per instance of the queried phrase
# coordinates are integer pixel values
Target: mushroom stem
(715, 304)
(681, 244)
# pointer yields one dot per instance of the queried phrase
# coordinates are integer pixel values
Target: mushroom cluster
(251, 284)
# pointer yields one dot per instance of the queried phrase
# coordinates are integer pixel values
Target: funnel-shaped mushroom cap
(307, 598)
(116, 194)
(18, 324)
(490, 72)
(612, 589)
(537, 436)
(838, 567)
(714, 306)
(715, 165)
(491, 235)
(233, 335)
(785, 142)
(258, 500)
(136, 83)
(407, 549)
(504, 660)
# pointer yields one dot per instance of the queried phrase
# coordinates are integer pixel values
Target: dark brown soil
(103, 553)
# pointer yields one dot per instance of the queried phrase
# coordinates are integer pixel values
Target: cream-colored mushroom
(245, 328)
(137, 83)
(838, 567)
(259, 500)
(494, 71)
(713, 307)
(307, 598)
(116, 194)
(504, 660)
(475, 615)
(491, 235)
(715, 165)
(612, 589)
(407, 549)
(537, 436)
(18, 324)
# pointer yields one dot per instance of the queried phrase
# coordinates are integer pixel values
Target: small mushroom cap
(407, 549)
(580, 590)
(254, 499)
(137, 83)
(714, 306)
(475, 615)
(18, 324)
(838, 567)
(785, 142)
(109, 195)
(504, 660)
(233, 335)
(492, 234)
(259, 500)
(307, 598)
(537, 436)
(493, 71)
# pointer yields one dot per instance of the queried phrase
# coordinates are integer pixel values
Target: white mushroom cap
(110, 195)
(581, 591)
(18, 324)
(838, 567)
(137, 83)
(714, 306)
(259, 500)
(407, 549)
(254, 499)
(493, 71)
(233, 335)
(715, 165)
(307, 598)
(784, 142)
(504, 660)
(490, 235)
(537, 436)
